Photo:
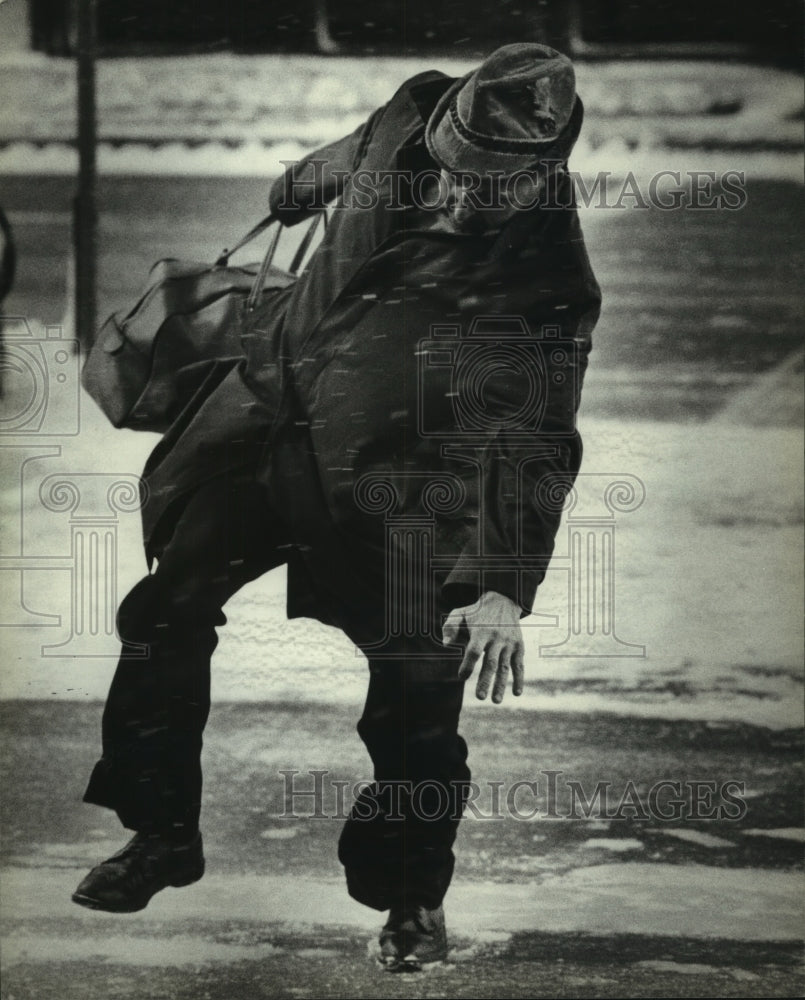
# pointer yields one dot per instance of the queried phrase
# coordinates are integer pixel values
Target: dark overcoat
(412, 397)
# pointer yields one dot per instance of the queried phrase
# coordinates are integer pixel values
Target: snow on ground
(234, 114)
(225, 95)
(257, 159)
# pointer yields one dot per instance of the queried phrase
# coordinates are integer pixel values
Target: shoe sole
(179, 881)
(91, 903)
(409, 966)
(398, 965)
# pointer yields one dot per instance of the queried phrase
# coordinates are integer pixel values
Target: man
(401, 432)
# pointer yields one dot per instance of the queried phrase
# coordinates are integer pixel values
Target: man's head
(477, 203)
(493, 128)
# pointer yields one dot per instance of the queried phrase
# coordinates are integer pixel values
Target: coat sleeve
(525, 473)
(317, 179)
(307, 185)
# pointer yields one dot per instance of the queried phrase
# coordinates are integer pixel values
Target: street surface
(541, 907)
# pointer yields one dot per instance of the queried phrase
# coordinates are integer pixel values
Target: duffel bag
(147, 363)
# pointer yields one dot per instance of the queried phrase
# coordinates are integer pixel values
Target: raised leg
(150, 771)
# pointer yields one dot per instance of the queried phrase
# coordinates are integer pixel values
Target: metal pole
(85, 214)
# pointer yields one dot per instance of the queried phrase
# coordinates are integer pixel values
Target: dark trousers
(396, 843)
(150, 771)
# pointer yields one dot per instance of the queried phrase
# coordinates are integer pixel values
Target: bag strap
(254, 232)
(303, 247)
(259, 281)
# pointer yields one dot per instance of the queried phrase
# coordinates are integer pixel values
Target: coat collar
(526, 228)
(425, 94)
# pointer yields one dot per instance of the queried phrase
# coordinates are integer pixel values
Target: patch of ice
(482, 942)
(614, 844)
(280, 833)
(683, 968)
(120, 949)
(782, 833)
(697, 837)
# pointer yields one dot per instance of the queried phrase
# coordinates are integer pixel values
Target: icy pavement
(215, 954)
(620, 931)
(632, 898)
(550, 906)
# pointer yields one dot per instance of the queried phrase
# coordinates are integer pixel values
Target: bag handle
(263, 224)
(303, 247)
(259, 281)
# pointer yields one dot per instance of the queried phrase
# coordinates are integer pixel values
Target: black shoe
(412, 937)
(125, 882)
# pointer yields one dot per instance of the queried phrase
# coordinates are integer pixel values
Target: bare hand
(493, 623)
